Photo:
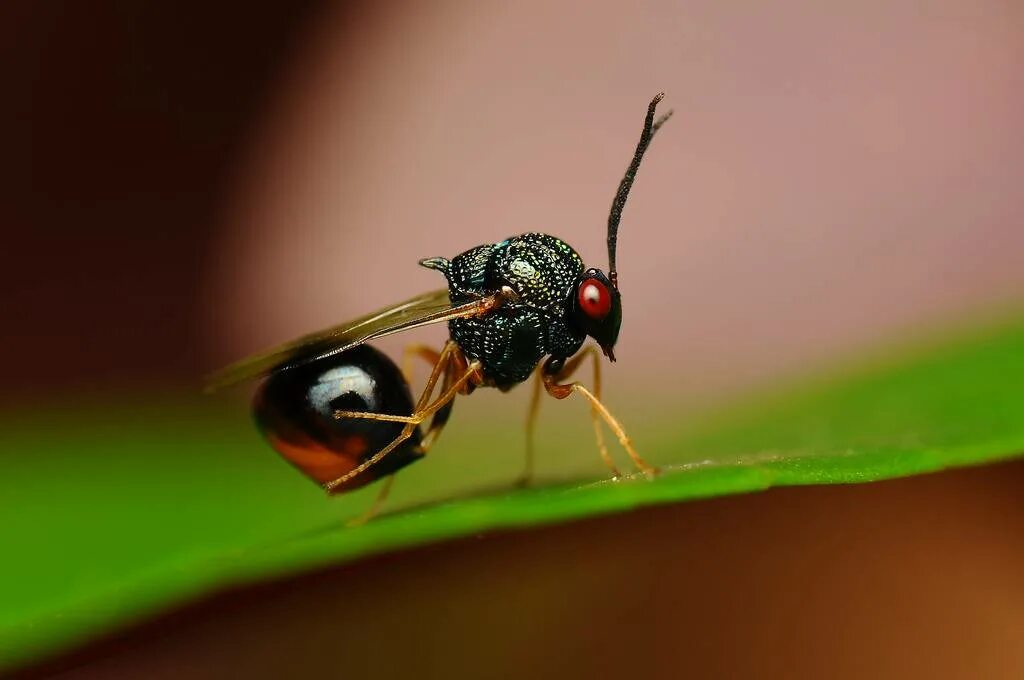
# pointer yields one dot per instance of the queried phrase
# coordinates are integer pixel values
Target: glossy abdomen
(294, 409)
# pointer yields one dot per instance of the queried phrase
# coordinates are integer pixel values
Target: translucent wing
(422, 310)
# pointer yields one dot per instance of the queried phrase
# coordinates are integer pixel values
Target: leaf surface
(111, 513)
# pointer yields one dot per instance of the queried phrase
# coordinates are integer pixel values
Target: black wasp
(343, 413)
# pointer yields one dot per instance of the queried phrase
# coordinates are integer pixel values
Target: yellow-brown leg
(440, 366)
(378, 503)
(531, 426)
(440, 418)
(595, 417)
(417, 351)
(441, 363)
(422, 413)
(555, 387)
(447, 361)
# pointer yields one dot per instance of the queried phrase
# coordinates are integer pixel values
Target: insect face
(597, 309)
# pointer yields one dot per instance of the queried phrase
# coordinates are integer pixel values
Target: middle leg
(531, 425)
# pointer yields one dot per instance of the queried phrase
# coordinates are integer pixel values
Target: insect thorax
(511, 340)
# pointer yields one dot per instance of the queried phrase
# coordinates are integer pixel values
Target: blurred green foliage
(113, 512)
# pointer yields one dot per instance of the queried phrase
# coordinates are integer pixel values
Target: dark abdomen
(294, 409)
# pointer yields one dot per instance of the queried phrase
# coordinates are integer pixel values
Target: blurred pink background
(187, 184)
(836, 174)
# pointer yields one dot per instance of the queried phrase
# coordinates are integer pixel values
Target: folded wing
(423, 310)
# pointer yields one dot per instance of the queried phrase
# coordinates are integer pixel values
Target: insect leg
(440, 365)
(421, 414)
(440, 418)
(570, 367)
(471, 372)
(411, 421)
(378, 503)
(425, 352)
(561, 391)
(531, 426)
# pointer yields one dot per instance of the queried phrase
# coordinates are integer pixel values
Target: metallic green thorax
(544, 272)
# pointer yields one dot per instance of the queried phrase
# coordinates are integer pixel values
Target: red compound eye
(594, 299)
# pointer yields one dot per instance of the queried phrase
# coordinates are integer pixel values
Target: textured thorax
(511, 340)
(540, 268)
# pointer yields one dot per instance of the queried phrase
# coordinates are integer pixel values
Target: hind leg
(457, 373)
(424, 408)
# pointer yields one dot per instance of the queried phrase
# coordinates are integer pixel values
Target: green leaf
(112, 513)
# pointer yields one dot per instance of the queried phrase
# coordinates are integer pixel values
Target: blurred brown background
(184, 183)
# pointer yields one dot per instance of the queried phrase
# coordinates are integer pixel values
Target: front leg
(554, 385)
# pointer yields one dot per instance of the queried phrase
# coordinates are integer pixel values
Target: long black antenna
(650, 127)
